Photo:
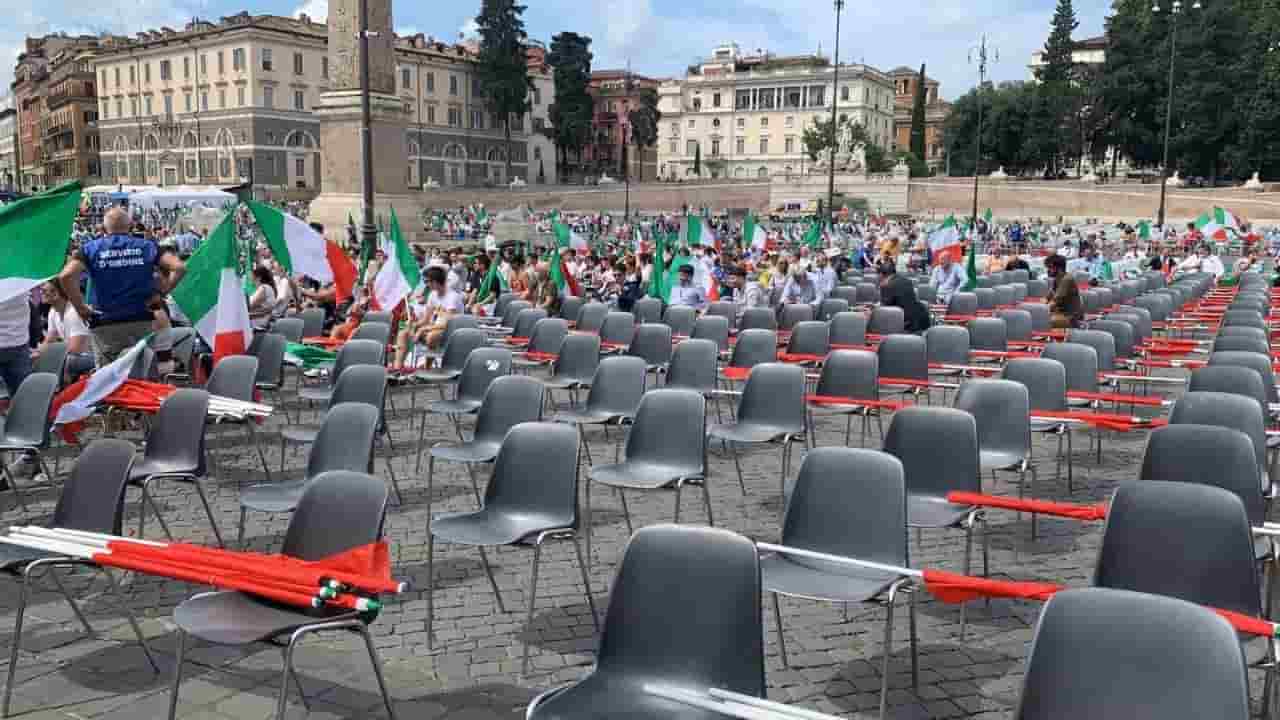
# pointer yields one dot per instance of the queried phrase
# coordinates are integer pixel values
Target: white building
(747, 114)
(8, 139)
(542, 150)
(1090, 51)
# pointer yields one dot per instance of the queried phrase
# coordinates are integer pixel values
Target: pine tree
(918, 118)
(697, 160)
(570, 113)
(1053, 102)
(502, 69)
(644, 124)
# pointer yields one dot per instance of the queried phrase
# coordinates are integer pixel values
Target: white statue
(999, 174)
(1175, 180)
(517, 182)
(606, 180)
(1254, 183)
(1090, 177)
(432, 182)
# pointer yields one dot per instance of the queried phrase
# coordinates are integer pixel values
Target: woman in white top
(262, 303)
(284, 291)
(65, 325)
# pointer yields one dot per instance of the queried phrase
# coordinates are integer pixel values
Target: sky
(659, 37)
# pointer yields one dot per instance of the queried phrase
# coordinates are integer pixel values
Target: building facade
(55, 99)
(741, 117)
(936, 111)
(616, 93)
(8, 131)
(1089, 52)
(234, 101)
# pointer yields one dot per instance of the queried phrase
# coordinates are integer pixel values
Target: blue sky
(660, 37)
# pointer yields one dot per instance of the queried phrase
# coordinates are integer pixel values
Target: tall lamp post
(981, 54)
(835, 133)
(368, 231)
(1175, 10)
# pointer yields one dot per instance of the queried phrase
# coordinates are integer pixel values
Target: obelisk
(340, 122)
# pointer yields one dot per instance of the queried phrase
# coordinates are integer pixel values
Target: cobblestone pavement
(474, 671)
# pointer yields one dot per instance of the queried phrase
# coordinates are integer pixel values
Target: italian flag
(1144, 230)
(76, 401)
(212, 293)
(971, 269)
(34, 234)
(637, 239)
(813, 236)
(697, 231)
(399, 275)
(567, 238)
(561, 276)
(494, 283)
(1217, 223)
(754, 235)
(303, 251)
(946, 238)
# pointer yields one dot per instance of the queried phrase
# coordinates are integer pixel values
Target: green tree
(570, 112)
(644, 123)
(1054, 100)
(1006, 112)
(502, 68)
(1257, 147)
(697, 160)
(918, 117)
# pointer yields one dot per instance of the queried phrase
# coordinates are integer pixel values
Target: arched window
(300, 139)
(190, 141)
(739, 172)
(455, 152)
(496, 155)
(150, 143)
(762, 172)
(414, 150)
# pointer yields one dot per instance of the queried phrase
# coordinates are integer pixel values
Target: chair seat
(599, 697)
(565, 383)
(18, 442)
(485, 527)
(932, 511)
(816, 580)
(641, 475)
(273, 497)
(472, 452)
(454, 407)
(316, 394)
(234, 618)
(437, 376)
(999, 460)
(1044, 426)
(145, 467)
(835, 410)
(522, 362)
(587, 417)
(750, 432)
(14, 558)
(1079, 403)
(303, 434)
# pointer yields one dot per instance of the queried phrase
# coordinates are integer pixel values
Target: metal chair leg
(177, 674)
(678, 487)
(253, 437)
(133, 620)
(626, 512)
(431, 605)
(293, 675)
(17, 642)
(915, 656)
(737, 465)
(395, 484)
(706, 497)
(888, 649)
(377, 670)
(209, 512)
(75, 607)
(484, 559)
(533, 596)
(586, 583)
(777, 620)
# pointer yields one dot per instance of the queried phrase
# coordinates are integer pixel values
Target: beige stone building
(747, 113)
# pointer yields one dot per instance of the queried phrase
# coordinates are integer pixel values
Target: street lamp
(980, 53)
(835, 134)
(1175, 9)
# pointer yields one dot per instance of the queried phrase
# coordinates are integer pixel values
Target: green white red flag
(212, 293)
(399, 275)
(34, 233)
(300, 250)
(1218, 224)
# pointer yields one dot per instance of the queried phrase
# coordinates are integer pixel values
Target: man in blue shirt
(685, 292)
(130, 276)
(947, 278)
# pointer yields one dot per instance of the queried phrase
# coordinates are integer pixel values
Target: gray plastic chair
(1041, 320)
(1020, 276)
(792, 314)
(831, 307)
(576, 365)
(377, 332)
(1232, 379)
(847, 374)
(986, 297)
(1018, 324)
(647, 310)
(666, 449)
(1258, 362)
(850, 503)
(684, 611)
(866, 293)
(547, 338)
(757, 318)
(1248, 318)
(526, 320)
(693, 367)
(927, 294)
(771, 409)
(591, 317)
(904, 357)
(290, 327)
(849, 329)
(532, 496)
(989, 334)
(92, 500)
(339, 511)
(1006, 296)
(482, 366)
(1243, 331)
(1019, 293)
(1002, 410)
(52, 360)
(1046, 383)
(616, 331)
(680, 318)
(962, 304)
(378, 317)
(811, 337)
(344, 441)
(1089, 659)
(570, 307)
(1037, 287)
(512, 311)
(947, 345)
(1237, 412)
(312, 322)
(25, 430)
(1159, 306)
(1122, 332)
(269, 348)
(714, 328)
(1081, 364)
(355, 352)
(1208, 455)
(724, 309)
(453, 357)
(615, 395)
(1103, 343)
(236, 377)
(848, 293)
(652, 343)
(175, 451)
(753, 347)
(886, 321)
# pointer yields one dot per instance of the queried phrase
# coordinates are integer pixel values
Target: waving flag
(212, 293)
(76, 401)
(303, 251)
(561, 276)
(494, 283)
(658, 273)
(399, 275)
(1217, 223)
(567, 238)
(697, 231)
(946, 238)
(971, 268)
(34, 233)
(813, 236)
(753, 234)
(1144, 230)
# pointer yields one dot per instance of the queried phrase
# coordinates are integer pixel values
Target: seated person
(65, 325)
(442, 304)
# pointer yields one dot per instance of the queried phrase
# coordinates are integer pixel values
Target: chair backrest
(1080, 362)
(511, 400)
(774, 396)
(932, 468)
(1005, 295)
(849, 328)
(28, 420)
(1019, 292)
(850, 502)
(459, 322)
(591, 317)
(1248, 318)
(693, 366)
(1210, 455)
(378, 317)
(618, 328)
(1241, 343)
(234, 377)
(726, 310)
(1158, 305)
(1020, 276)
(1044, 378)
(1037, 287)
(1103, 343)
(1190, 541)
(618, 385)
(526, 320)
(338, 511)
(1001, 409)
(312, 322)
(144, 367)
(363, 384)
(811, 337)
(685, 610)
(1108, 654)
(926, 294)
(1123, 334)
(647, 309)
(757, 318)
(357, 352)
(792, 314)
(714, 328)
(375, 331)
(345, 439)
(847, 293)
(988, 333)
(850, 373)
(176, 437)
(886, 321)
(535, 473)
(947, 344)
(579, 357)
(1258, 362)
(1142, 319)
(867, 292)
(1017, 323)
(831, 307)
(986, 297)
(570, 307)
(1237, 412)
(1232, 379)
(1041, 320)
(680, 319)
(548, 335)
(92, 497)
(512, 311)
(962, 303)
(481, 367)
(458, 346)
(1242, 331)
(269, 348)
(652, 343)
(53, 359)
(903, 356)
(754, 347)
(290, 327)
(670, 429)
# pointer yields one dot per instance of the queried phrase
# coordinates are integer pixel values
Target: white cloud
(317, 10)
(469, 28)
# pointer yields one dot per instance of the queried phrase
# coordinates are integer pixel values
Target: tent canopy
(180, 197)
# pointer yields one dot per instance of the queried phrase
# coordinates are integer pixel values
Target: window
(146, 73)
(240, 96)
(697, 104)
(715, 123)
(453, 84)
(168, 105)
(764, 122)
(220, 65)
(675, 128)
(206, 167)
(866, 95)
(431, 82)
(204, 65)
(133, 79)
(222, 99)
(224, 167)
(817, 96)
(477, 120)
(300, 168)
(324, 66)
(791, 145)
(153, 168)
(715, 148)
(674, 144)
(297, 63)
(204, 102)
(691, 123)
(106, 110)
(186, 68)
(715, 100)
(119, 108)
(762, 172)
(844, 94)
(742, 100)
(117, 74)
(764, 146)
(268, 96)
(790, 121)
(691, 147)
(742, 123)
(431, 114)
(190, 168)
(186, 102)
(299, 100)
(455, 117)
(741, 146)
(537, 153)
(405, 78)
(266, 59)
(147, 104)
(237, 59)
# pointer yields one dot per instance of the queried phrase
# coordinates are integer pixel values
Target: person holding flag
(442, 304)
(685, 292)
